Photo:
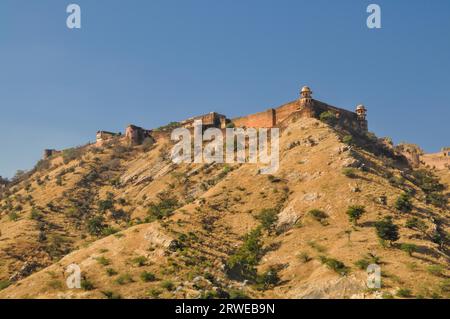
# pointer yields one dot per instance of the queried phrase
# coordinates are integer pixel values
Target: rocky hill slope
(139, 226)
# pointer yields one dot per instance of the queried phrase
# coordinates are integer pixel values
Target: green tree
(355, 213)
(387, 230)
(403, 203)
(267, 217)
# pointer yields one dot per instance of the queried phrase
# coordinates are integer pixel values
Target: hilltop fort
(303, 107)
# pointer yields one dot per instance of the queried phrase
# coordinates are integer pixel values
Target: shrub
(415, 223)
(318, 215)
(404, 293)
(147, 276)
(231, 125)
(4, 284)
(111, 272)
(237, 294)
(335, 265)
(107, 231)
(36, 214)
(436, 270)
(268, 279)
(86, 284)
(164, 208)
(96, 225)
(242, 263)
(304, 257)
(328, 117)
(267, 217)
(348, 139)
(409, 248)
(55, 284)
(139, 261)
(13, 216)
(349, 172)
(154, 292)
(436, 199)
(124, 279)
(71, 154)
(111, 295)
(355, 212)
(367, 260)
(168, 285)
(103, 261)
(105, 205)
(387, 230)
(403, 203)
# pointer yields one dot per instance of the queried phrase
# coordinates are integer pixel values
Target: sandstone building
(103, 136)
(211, 119)
(135, 135)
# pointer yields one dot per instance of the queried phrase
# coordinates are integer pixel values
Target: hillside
(140, 226)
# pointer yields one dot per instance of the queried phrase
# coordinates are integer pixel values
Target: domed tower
(361, 113)
(305, 96)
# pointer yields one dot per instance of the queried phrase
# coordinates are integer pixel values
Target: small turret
(305, 96)
(361, 113)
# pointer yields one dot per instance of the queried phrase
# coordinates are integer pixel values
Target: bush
(124, 279)
(72, 154)
(13, 216)
(349, 172)
(96, 225)
(436, 199)
(103, 261)
(348, 139)
(168, 285)
(436, 270)
(355, 212)
(111, 295)
(415, 223)
(139, 261)
(237, 294)
(268, 279)
(165, 208)
(409, 248)
(369, 259)
(387, 230)
(335, 265)
(105, 205)
(403, 203)
(111, 272)
(268, 217)
(304, 257)
(4, 284)
(318, 215)
(242, 263)
(404, 293)
(147, 276)
(86, 284)
(36, 214)
(328, 117)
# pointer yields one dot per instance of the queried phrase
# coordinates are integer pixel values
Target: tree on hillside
(355, 212)
(387, 230)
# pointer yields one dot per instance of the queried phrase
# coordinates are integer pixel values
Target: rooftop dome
(305, 89)
(360, 107)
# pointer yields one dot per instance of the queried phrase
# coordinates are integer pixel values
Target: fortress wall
(262, 119)
(284, 111)
(437, 160)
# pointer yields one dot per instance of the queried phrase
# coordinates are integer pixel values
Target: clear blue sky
(154, 61)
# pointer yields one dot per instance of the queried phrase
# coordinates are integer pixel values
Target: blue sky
(154, 61)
